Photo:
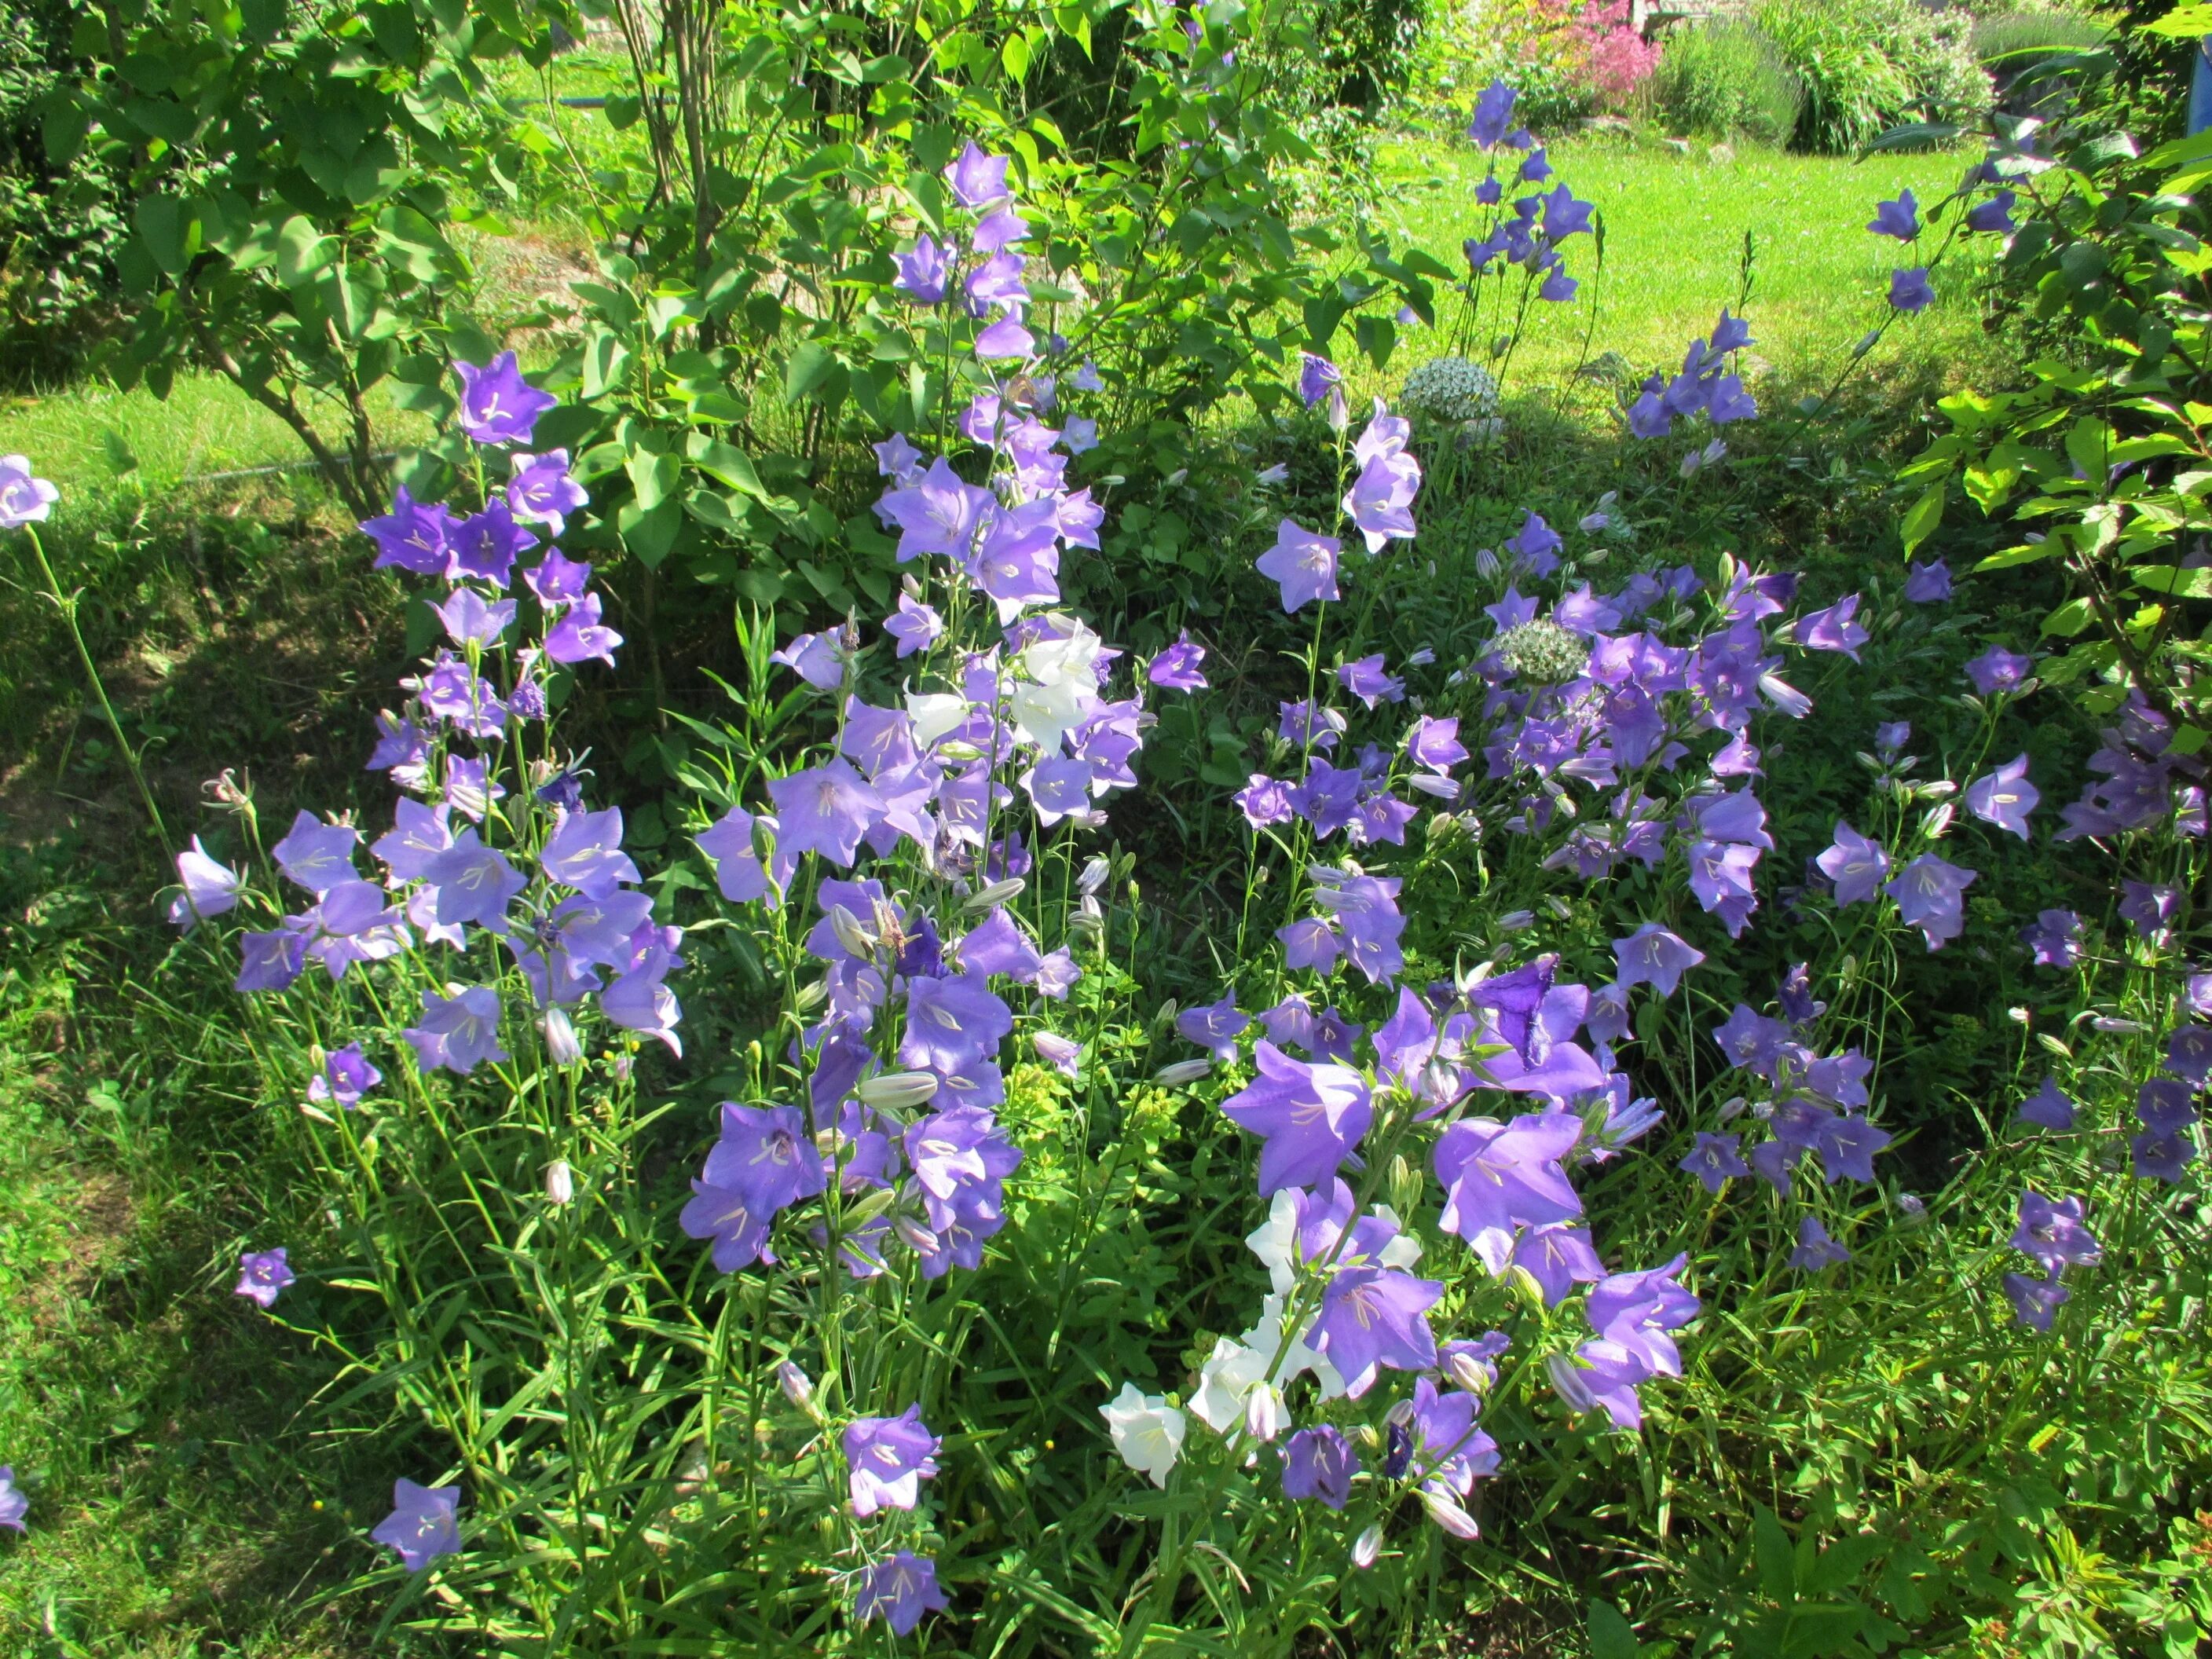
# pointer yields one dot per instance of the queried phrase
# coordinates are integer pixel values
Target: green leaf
(1775, 1555)
(2194, 583)
(1922, 516)
(1611, 1636)
(350, 294)
(302, 252)
(653, 476)
(2069, 619)
(167, 228)
(809, 367)
(649, 535)
(726, 464)
(605, 355)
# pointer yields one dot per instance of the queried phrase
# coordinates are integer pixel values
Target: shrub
(1869, 64)
(1724, 78)
(2008, 38)
(1567, 59)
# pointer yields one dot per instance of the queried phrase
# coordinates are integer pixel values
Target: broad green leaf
(653, 476)
(302, 252)
(2069, 619)
(1922, 516)
(809, 367)
(2190, 583)
(165, 225)
(1611, 1636)
(726, 464)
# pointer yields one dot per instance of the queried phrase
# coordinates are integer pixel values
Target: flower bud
(1400, 1415)
(794, 1381)
(561, 1045)
(999, 892)
(1182, 1072)
(1406, 1186)
(899, 1089)
(857, 940)
(1448, 1516)
(1464, 1368)
(1094, 876)
(1514, 921)
(1367, 1548)
(560, 1184)
(918, 1237)
(812, 996)
(1340, 412)
(1263, 1413)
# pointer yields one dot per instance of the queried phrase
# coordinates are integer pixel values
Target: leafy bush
(2001, 37)
(1868, 65)
(1566, 58)
(1725, 78)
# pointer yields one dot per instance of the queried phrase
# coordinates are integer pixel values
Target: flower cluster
(1530, 232)
(1452, 389)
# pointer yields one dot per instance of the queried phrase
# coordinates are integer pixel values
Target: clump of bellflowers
(977, 738)
(1529, 232)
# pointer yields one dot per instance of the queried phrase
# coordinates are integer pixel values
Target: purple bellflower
(2004, 797)
(498, 406)
(888, 1458)
(904, 1589)
(263, 1275)
(1303, 563)
(423, 1525)
(1311, 1117)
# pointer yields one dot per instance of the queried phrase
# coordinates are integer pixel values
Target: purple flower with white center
(2053, 1234)
(1365, 910)
(1998, 669)
(2034, 1301)
(1264, 800)
(558, 580)
(923, 271)
(1654, 956)
(1215, 1027)
(210, 889)
(540, 490)
(979, 180)
(1928, 584)
(1558, 1257)
(413, 536)
(2054, 940)
(401, 748)
(423, 1525)
(1714, 1160)
(2149, 907)
(2004, 797)
(1319, 1463)
(899, 461)
(1833, 628)
(904, 1589)
(1601, 1375)
(937, 516)
(459, 1032)
(1720, 880)
(740, 1234)
(2048, 1108)
(497, 405)
(1372, 1317)
(766, 1156)
(996, 282)
(1177, 667)
(316, 855)
(1899, 218)
(952, 1024)
(1493, 115)
(1381, 499)
(1994, 214)
(1909, 290)
(1317, 376)
(585, 852)
(1854, 864)
(2189, 1053)
(580, 636)
(1816, 1252)
(24, 499)
(1310, 727)
(887, 1459)
(1638, 1310)
(915, 626)
(1450, 1454)
(263, 1275)
(1367, 680)
(2160, 1158)
(475, 882)
(825, 809)
(1499, 1177)
(271, 961)
(14, 1506)
(2164, 1106)
(1303, 563)
(345, 1077)
(1434, 743)
(1311, 1117)
(470, 621)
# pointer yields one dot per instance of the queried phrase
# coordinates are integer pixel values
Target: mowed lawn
(1675, 228)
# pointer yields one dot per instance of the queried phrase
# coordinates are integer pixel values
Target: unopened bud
(1094, 876)
(918, 1237)
(794, 1383)
(811, 996)
(1367, 1548)
(1406, 1185)
(1521, 1279)
(899, 1089)
(1340, 412)
(1514, 921)
(1182, 1072)
(1464, 1368)
(1400, 1415)
(561, 1045)
(857, 940)
(999, 892)
(1448, 1516)
(560, 1184)
(1263, 1413)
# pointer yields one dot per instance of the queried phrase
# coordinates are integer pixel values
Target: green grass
(1675, 227)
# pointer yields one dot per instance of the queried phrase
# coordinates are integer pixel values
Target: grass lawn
(1675, 226)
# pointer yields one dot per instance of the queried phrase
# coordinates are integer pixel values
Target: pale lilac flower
(979, 180)
(24, 499)
(923, 271)
(2004, 797)
(2034, 1301)
(263, 1275)
(1854, 864)
(1177, 668)
(540, 490)
(345, 1077)
(1654, 956)
(1832, 629)
(2054, 939)
(2053, 1234)
(826, 810)
(459, 1032)
(1264, 800)
(210, 889)
(1372, 1317)
(915, 626)
(558, 580)
(14, 1506)
(1367, 680)
(314, 855)
(1303, 563)
(887, 1458)
(423, 1525)
(1311, 1117)
(580, 636)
